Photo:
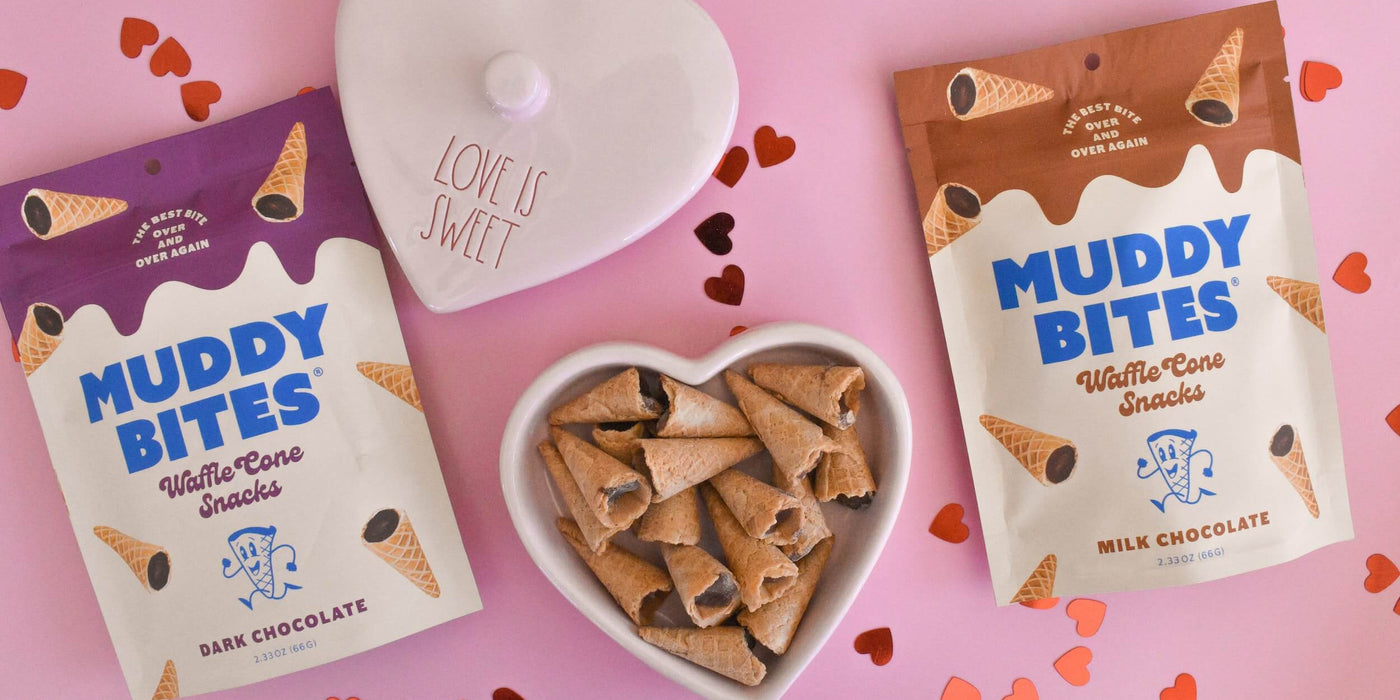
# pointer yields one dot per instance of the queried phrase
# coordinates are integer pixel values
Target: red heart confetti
(1382, 573)
(948, 525)
(152, 167)
(1351, 274)
(728, 288)
(732, 332)
(1317, 78)
(1392, 419)
(14, 347)
(136, 35)
(197, 97)
(714, 233)
(1023, 689)
(11, 87)
(1073, 665)
(771, 149)
(732, 166)
(170, 57)
(878, 643)
(505, 694)
(1087, 615)
(304, 91)
(1041, 604)
(959, 689)
(1183, 689)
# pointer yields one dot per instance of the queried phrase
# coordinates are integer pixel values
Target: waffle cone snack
(795, 442)
(1041, 583)
(677, 464)
(616, 494)
(150, 562)
(724, 650)
(814, 528)
(396, 379)
(635, 584)
(1215, 101)
(765, 512)
(282, 195)
(775, 624)
(1048, 458)
(618, 399)
(707, 588)
(832, 393)
(1304, 297)
(761, 569)
(40, 336)
(956, 209)
(675, 520)
(169, 686)
(843, 475)
(595, 533)
(50, 214)
(974, 93)
(619, 442)
(390, 536)
(1286, 449)
(692, 413)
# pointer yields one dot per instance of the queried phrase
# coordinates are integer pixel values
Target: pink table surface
(831, 237)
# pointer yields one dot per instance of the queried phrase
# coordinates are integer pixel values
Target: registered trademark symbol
(317, 372)
(1234, 282)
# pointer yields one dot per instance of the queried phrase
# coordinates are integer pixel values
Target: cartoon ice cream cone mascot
(1174, 455)
(259, 559)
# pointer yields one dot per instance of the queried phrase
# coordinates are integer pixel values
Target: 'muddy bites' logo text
(1132, 259)
(198, 363)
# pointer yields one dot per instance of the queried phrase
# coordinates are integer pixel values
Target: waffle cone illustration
(595, 533)
(615, 493)
(675, 520)
(843, 475)
(706, 587)
(282, 195)
(396, 379)
(1215, 101)
(169, 686)
(974, 93)
(795, 442)
(814, 527)
(1041, 583)
(618, 399)
(1048, 458)
(693, 413)
(1304, 297)
(1286, 449)
(50, 214)
(150, 562)
(636, 585)
(677, 464)
(619, 442)
(724, 650)
(40, 336)
(775, 624)
(390, 536)
(761, 569)
(765, 512)
(830, 393)
(956, 209)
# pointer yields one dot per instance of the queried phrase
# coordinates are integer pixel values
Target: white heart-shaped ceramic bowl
(534, 504)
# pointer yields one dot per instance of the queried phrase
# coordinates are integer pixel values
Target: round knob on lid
(515, 85)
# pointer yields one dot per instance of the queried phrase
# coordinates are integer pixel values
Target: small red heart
(732, 166)
(1087, 615)
(714, 233)
(1382, 573)
(1392, 419)
(1316, 78)
(1023, 689)
(959, 689)
(948, 524)
(170, 57)
(732, 332)
(1183, 689)
(505, 694)
(728, 288)
(304, 91)
(197, 96)
(1041, 603)
(1073, 666)
(136, 35)
(11, 88)
(1351, 274)
(770, 148)
(878, 643)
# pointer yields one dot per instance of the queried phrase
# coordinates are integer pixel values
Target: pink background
(831, 237)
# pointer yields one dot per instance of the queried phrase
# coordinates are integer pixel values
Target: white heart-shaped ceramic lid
(504, 143)
(885, 432)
